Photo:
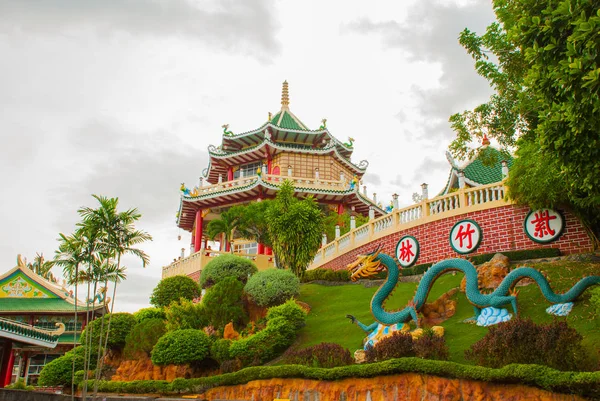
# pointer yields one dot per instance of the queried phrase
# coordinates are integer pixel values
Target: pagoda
(37, 322)
(251, 166)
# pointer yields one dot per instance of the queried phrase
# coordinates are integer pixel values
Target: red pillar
(198, 233)
(268, 251)
(269, 163)
(229, 173)
(261, 249)
(340, 209)
(8, 359)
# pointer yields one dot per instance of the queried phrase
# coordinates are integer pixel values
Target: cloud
(246, 26)
(372, 178)
(429, 34)
(430, 166)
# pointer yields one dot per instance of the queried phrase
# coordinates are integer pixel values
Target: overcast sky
(122, 97)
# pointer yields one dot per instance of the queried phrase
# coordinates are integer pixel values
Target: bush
(324, 355)
(223, 303)
(398, 345)
(181, 347)
(149, 313)
(226, 266)
(219, 350)
(20, 385)
(59, 371)
(595, 298)
(522, 341)
(290, 311)
(233, 365)
(431, 346)
(415, 270)
(325, 275)
(143, 336)
(272, 287)
(185, 315)
(173, 289)
(120, 326)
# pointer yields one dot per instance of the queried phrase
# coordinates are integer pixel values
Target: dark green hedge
(586, 384)
(414, 270)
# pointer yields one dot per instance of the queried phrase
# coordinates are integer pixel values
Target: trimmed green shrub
(342, 275)
(185, 315)
(149, 313)
(59, 371)
(415, 270)
(226, 266)
(219, 350)
(290, 311)
(181, 347)
(522, 341)
(173, 289)
(19, 385)
(143, 336)
(398, 345)
(585, 384)
(272, 287)
(120, 326)
(223, 303)
(324, 355)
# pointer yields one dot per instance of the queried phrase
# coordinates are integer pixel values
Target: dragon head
(365, 265)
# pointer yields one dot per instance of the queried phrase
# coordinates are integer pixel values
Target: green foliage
(185, 315)
(415, 270)
(295, 227)
(595, 299)
(59, 371)
(547, 81)
(398, 345)
(149, 313)
(585, 384)
(325, 275)
(219, 351)
(332, 219)
(78, 377)
(272, 287)
(143, 336)
(324, 355)
(226, 266)
(120, 326)
(225, 224)
(173, 289)
(282, 324)
(181, 347)
(223, 303)
(522, 341)
(431, 346)
(252, 221)
(20, 385)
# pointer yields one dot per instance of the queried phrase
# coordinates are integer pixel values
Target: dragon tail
(552, 297)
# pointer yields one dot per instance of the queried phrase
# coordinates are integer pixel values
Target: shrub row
(325, 275)
(586, 384)
(414, 270)
(324, 355)
(400, 345)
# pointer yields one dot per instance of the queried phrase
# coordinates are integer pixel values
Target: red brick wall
(195, 276)
(502, 230)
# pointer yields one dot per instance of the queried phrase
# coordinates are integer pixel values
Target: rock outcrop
(490, 274)
(441, 309)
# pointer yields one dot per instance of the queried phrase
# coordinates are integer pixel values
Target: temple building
(252, 165)
(37, 323)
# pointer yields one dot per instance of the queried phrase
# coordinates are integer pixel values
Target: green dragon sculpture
(225, 130)
(350, 142)
(370, 264)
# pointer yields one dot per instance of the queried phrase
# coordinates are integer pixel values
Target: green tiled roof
(67, 338)
(287, 121)
(36, 305)
(483, 173)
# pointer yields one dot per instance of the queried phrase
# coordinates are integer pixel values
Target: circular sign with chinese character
(544, 225)
(407, 251)
(465, 236)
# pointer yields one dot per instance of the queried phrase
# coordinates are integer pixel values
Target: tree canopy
(541, 58)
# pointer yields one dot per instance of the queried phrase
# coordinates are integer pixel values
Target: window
(249, 170)
(250, 248)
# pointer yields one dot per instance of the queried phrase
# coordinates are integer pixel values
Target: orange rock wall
(403, 387)
(143, 369)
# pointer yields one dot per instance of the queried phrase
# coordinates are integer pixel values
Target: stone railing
(196, 261)
(463, 201)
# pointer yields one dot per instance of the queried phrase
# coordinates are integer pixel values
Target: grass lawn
(330, 304)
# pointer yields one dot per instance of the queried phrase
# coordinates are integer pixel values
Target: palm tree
(225, 225)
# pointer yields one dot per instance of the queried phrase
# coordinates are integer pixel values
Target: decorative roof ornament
(349, 143)
(485, 141)
(323, 124)
(270, 116)
(225, 128)
(285, 96)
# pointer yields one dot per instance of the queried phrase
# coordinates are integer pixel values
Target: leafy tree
(143, 336)
(173, 289)
(295, 227)
(225, 224)
(122, 323)
(541, 59)
(185, 314)
(225, 266)
(149, 313)
(343, 220)
(252, 221)
(223, 303)
(272, 287)
(181, 347)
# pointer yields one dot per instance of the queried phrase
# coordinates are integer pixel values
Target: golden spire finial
(285, 98)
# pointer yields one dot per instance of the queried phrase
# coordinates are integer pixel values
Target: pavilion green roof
(482, 172)
(38, 305)
(286, 120)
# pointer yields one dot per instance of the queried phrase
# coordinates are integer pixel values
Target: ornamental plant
(149, 313)
(143, 336)
(223, 303)
(181, 347)
(120, 326)
(431, 346)
(185, 315)
(398, 345)
(226, 266)
(173, 289)
(272, 287)
(324, 355)
(59, 372)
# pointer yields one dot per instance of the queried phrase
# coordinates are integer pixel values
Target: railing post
(462, 198)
